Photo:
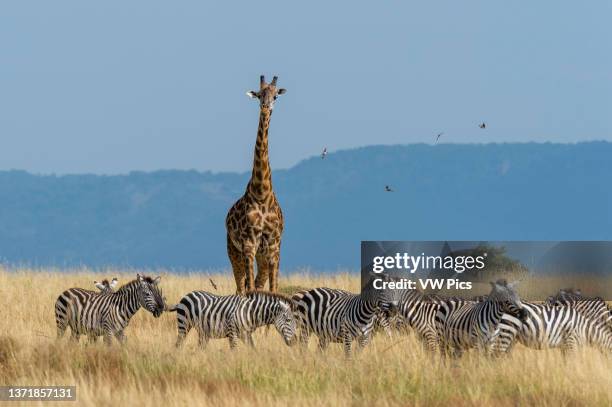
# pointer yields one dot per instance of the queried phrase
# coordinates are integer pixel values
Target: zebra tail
(171, 308)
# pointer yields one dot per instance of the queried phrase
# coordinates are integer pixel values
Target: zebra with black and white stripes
(591, 307)
(464, 325)
(552, 326)
(78, 298)
(340, 316)
(233, 316)
(106, 314)
(419, 312)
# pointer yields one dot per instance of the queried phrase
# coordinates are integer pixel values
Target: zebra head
(386, 300)
(284, 320)
(149, 294)
(505, 294)
(105, 287)
(567, 294)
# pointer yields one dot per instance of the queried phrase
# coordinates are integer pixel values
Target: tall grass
(148, 370)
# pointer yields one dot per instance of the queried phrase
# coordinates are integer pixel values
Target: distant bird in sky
(482, 125)
(324, 153)
(213, 284)
(388, 188)
(438, 136)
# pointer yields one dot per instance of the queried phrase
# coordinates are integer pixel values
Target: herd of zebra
(492, 324)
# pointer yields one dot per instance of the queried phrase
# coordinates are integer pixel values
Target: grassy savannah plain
(149, 370)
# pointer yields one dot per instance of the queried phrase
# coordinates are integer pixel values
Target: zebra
(78, 298)
(419, 312)
(233, 316)
(340, 316)
(591, 307)
(552, 326)
(463, 325)
(106, 314)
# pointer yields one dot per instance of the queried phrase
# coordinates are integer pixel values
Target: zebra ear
(513, 284)
(114, 282)
(138, 277)
(157, 280)
(99, 285)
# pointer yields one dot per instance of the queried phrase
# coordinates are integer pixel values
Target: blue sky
(114, 86)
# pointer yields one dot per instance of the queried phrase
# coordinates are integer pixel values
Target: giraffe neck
(260, 185)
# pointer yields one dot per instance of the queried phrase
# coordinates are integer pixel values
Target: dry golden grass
(149, 371)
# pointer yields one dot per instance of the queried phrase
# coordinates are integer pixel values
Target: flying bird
(482, 125)
(213, 284)
(388, 188)
(438, 136)
(324, 153)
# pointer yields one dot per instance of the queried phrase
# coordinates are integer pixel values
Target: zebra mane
(433, 298)
(127, 286)
(134, 282)
(282, 297)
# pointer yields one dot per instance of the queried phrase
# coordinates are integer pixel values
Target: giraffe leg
(249, 249)
(249, 261)
(273, 264)
(263, 270)
(237, 266)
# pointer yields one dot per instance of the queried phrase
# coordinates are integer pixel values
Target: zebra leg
(323, 344)
(108, 338)
(249, 337)
(121, 338)
(303, 338)
(92, 339)
(183, 326)
(568, 345)
(363, 341)
(202, 339)
(348, 344)
(451, 351)
(61, 330)
(180, 339)
(74, 336)
(60, 322)
(430, 342)
(233, 340)
(456, 352)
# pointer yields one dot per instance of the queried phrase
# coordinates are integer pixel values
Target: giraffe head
(267, 94)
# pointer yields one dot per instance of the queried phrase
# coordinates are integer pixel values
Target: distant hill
(446, 192)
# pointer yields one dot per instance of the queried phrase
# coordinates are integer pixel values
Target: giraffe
(255, 222)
